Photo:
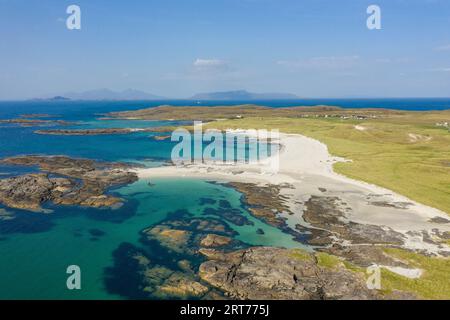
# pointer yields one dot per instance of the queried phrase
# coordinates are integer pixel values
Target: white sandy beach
(306, 165)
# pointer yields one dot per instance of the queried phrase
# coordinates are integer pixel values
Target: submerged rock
(260, 231)
(173, 239)
(6, 215)
(137, 275)
(186, 236)
(229, 214)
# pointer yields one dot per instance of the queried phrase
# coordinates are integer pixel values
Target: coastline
(306, 170)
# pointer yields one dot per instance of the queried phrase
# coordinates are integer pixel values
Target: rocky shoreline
(36, 122)
(203, 261)
(63, 181)
(103, 131)
(274, 273)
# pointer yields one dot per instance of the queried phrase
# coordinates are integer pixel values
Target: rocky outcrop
(181, 285)
(29, 191)
(214, 240)
(64, 181)
(274, 273)
(264, 202)
(325, 214)
(102, 131)
(35, 122)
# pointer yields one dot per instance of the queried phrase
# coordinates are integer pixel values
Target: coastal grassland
(434, 283)
(406, 153)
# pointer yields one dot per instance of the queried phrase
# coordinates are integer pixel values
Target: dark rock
(97, 232)
(204, 201)
(214, 240)
(439, 220)
(231, 215)
(66, 181)
(323, 213)
(274, 273)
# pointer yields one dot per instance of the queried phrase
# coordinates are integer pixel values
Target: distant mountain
(107, 94)
(243, 95)
(55, 98)
(59, 98)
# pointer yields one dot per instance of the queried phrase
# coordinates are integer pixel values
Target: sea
(37, 248)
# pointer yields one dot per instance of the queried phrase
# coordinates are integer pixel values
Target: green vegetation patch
(328, 261)
(301, 255)
(434, 282)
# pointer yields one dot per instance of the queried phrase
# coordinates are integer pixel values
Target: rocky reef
(168, 269)
(63, 180)
(187, 235)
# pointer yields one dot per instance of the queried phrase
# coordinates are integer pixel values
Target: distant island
(55, 98)
(243, 95)
(105, 94)
(58, 98)
(136, 95)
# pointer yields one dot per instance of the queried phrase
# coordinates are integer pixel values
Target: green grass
(384, 154)
(434, 282)
(300, 255)
(328, 261)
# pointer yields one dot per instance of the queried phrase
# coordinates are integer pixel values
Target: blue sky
(175, 48)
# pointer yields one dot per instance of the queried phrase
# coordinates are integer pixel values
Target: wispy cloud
(440, 69)
(443, 48)
(210, 63)
(205, 69)
(323, 63)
